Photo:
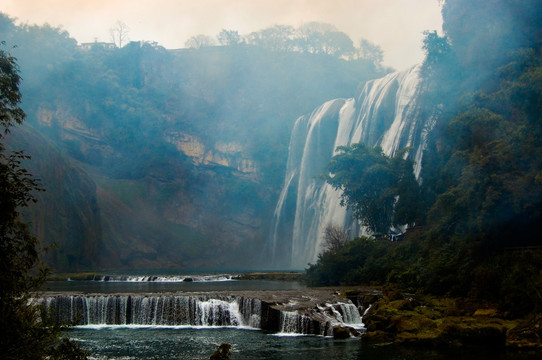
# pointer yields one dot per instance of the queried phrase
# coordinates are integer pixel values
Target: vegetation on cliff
(481, 180)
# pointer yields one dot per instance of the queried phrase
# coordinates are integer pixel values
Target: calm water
(186, 343)
(107, 287)
(124, 343)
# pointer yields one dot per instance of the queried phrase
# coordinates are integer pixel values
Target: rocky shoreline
(420, 320)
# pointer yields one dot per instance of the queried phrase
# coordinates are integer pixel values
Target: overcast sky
(395, 25)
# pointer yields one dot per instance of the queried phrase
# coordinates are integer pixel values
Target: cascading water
(167, 310)
(386, 113)
(198, 311)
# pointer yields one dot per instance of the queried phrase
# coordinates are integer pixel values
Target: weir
(387, 112)
(200, 311)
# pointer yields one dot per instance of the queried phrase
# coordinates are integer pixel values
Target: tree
(335, 237)
(119, 34)
(372, 52)
(199, 41)
(32, 334)
(322, 38)
(275, 38)
(374, 186)
(229, 37)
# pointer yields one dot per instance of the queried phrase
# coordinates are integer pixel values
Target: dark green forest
(479, 211)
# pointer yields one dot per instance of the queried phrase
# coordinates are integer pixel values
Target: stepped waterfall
(387, 112)
(199, 311)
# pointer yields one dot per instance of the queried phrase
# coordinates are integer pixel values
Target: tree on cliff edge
(31, 332)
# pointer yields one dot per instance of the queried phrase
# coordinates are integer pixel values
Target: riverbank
(421, 320)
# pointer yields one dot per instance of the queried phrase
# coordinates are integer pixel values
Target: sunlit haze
(395, 25)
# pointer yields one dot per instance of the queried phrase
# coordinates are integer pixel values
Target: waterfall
(198, 311)
(386, 112)
(165, 310)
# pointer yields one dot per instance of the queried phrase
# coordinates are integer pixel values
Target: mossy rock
(413, 323)
(341, 332)
(472, 333)
(378, 337)
(486, 313)
(391, 294)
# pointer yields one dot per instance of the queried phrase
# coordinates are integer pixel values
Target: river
(160, 340)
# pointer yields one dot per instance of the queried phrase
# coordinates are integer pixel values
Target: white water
(385, 113)
(181, 311)
(161, 278)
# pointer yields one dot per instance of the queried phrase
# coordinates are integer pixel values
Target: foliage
(481, 195)
(371, 182)
(30, 334)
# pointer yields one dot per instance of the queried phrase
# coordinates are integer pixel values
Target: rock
(486, 313)
(391, 294)
(526, 334)
(188, 279)
(341, 332)
(377, 337)
(345, 332)
(222, 353)
(434, 322)
(465, 333)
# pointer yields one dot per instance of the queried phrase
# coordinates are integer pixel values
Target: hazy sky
(395, 25)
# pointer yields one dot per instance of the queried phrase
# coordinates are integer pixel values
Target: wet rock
(341, 332)
(222, 353)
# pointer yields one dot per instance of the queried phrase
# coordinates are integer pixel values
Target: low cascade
(294, 323)
(350, 315)
(159, 278)
(167, 310)
(387, 113)
(204, 311)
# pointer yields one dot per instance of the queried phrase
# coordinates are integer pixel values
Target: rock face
(202, 202)
(231, 155)
(67, 214)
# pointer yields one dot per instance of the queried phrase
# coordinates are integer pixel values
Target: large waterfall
(386, 112)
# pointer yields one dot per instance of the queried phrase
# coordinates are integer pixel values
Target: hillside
(180, 152)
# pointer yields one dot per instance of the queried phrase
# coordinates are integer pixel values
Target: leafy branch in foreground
(32, 332)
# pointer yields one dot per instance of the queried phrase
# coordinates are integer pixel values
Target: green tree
(373, 185)
(32, 334)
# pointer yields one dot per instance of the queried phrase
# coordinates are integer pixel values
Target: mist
(395, 25)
